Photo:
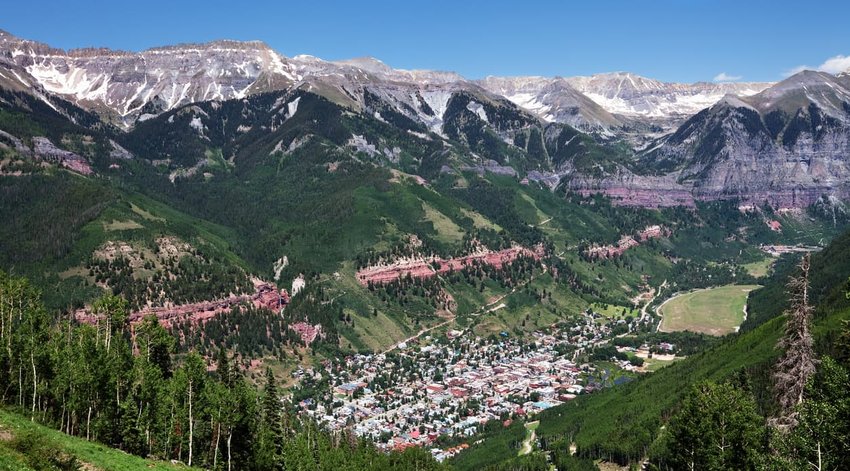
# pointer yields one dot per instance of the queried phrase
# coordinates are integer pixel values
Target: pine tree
(821, 438)
(717, 428)
(271, 431)
(798, 361)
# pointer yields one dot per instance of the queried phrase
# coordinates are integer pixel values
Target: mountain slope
(620, 424)
(786, 145)
(41, 442)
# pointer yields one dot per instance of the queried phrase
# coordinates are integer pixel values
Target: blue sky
(684, 40)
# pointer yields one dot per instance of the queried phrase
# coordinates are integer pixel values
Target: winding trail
(529, 437)
(419, 334)
(643, 313)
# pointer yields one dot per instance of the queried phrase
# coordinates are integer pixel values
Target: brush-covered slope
(28, 446)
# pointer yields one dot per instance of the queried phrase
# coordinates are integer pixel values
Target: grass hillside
(25, 446)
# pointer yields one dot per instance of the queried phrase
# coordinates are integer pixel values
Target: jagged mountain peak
(633, 95)
(553, 100)
(828, 92)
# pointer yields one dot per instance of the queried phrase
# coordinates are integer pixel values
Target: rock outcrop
(421, 267)
(266, 295)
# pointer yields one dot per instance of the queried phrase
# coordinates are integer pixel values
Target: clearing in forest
(713, 311)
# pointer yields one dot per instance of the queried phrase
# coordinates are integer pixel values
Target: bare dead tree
(798, 361)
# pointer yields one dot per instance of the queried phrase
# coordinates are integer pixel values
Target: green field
(761, 268)
(612, 311)
(713, 311)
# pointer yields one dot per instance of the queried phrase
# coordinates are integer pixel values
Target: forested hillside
(632, 423)
(178, 214)
(87, 382)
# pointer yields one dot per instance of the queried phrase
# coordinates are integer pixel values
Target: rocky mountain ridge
(787, 145)
(638, 140)
(129, 86)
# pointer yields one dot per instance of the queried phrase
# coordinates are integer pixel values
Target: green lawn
(613, 311)
(91, 454)
(761, 268)
(713, 311)
(654, 364)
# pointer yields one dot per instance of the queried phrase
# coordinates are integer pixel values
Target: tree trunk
(191, 424)
(215, 452)
(34, 384)
(88, 424)
(170, 433)
(229, 436)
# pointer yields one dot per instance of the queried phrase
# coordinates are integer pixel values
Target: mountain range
(641, 141)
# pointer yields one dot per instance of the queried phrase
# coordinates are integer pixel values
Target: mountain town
(362, 236)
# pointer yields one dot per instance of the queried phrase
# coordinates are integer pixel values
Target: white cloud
(724, 77)
(833, 65)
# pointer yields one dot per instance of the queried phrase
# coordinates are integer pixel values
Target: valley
(215, 246)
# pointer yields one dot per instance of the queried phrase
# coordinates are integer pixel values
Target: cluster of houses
(450, 388)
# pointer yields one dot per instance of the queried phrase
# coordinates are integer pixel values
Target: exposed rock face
(626, 242)
(45, 150)
(265, 296)
(307, 332)
(131, 84)
(787, 146)
(628, 189)
(491, 166)
(428, 267)
(9, 141)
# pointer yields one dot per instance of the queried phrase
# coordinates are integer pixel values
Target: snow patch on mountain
(532, 103)
(438, 101)
(632, 95)
(292, 107)
(478, 109)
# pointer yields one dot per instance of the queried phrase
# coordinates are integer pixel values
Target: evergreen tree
(821, 438)
(271, 436)
(717, 428)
